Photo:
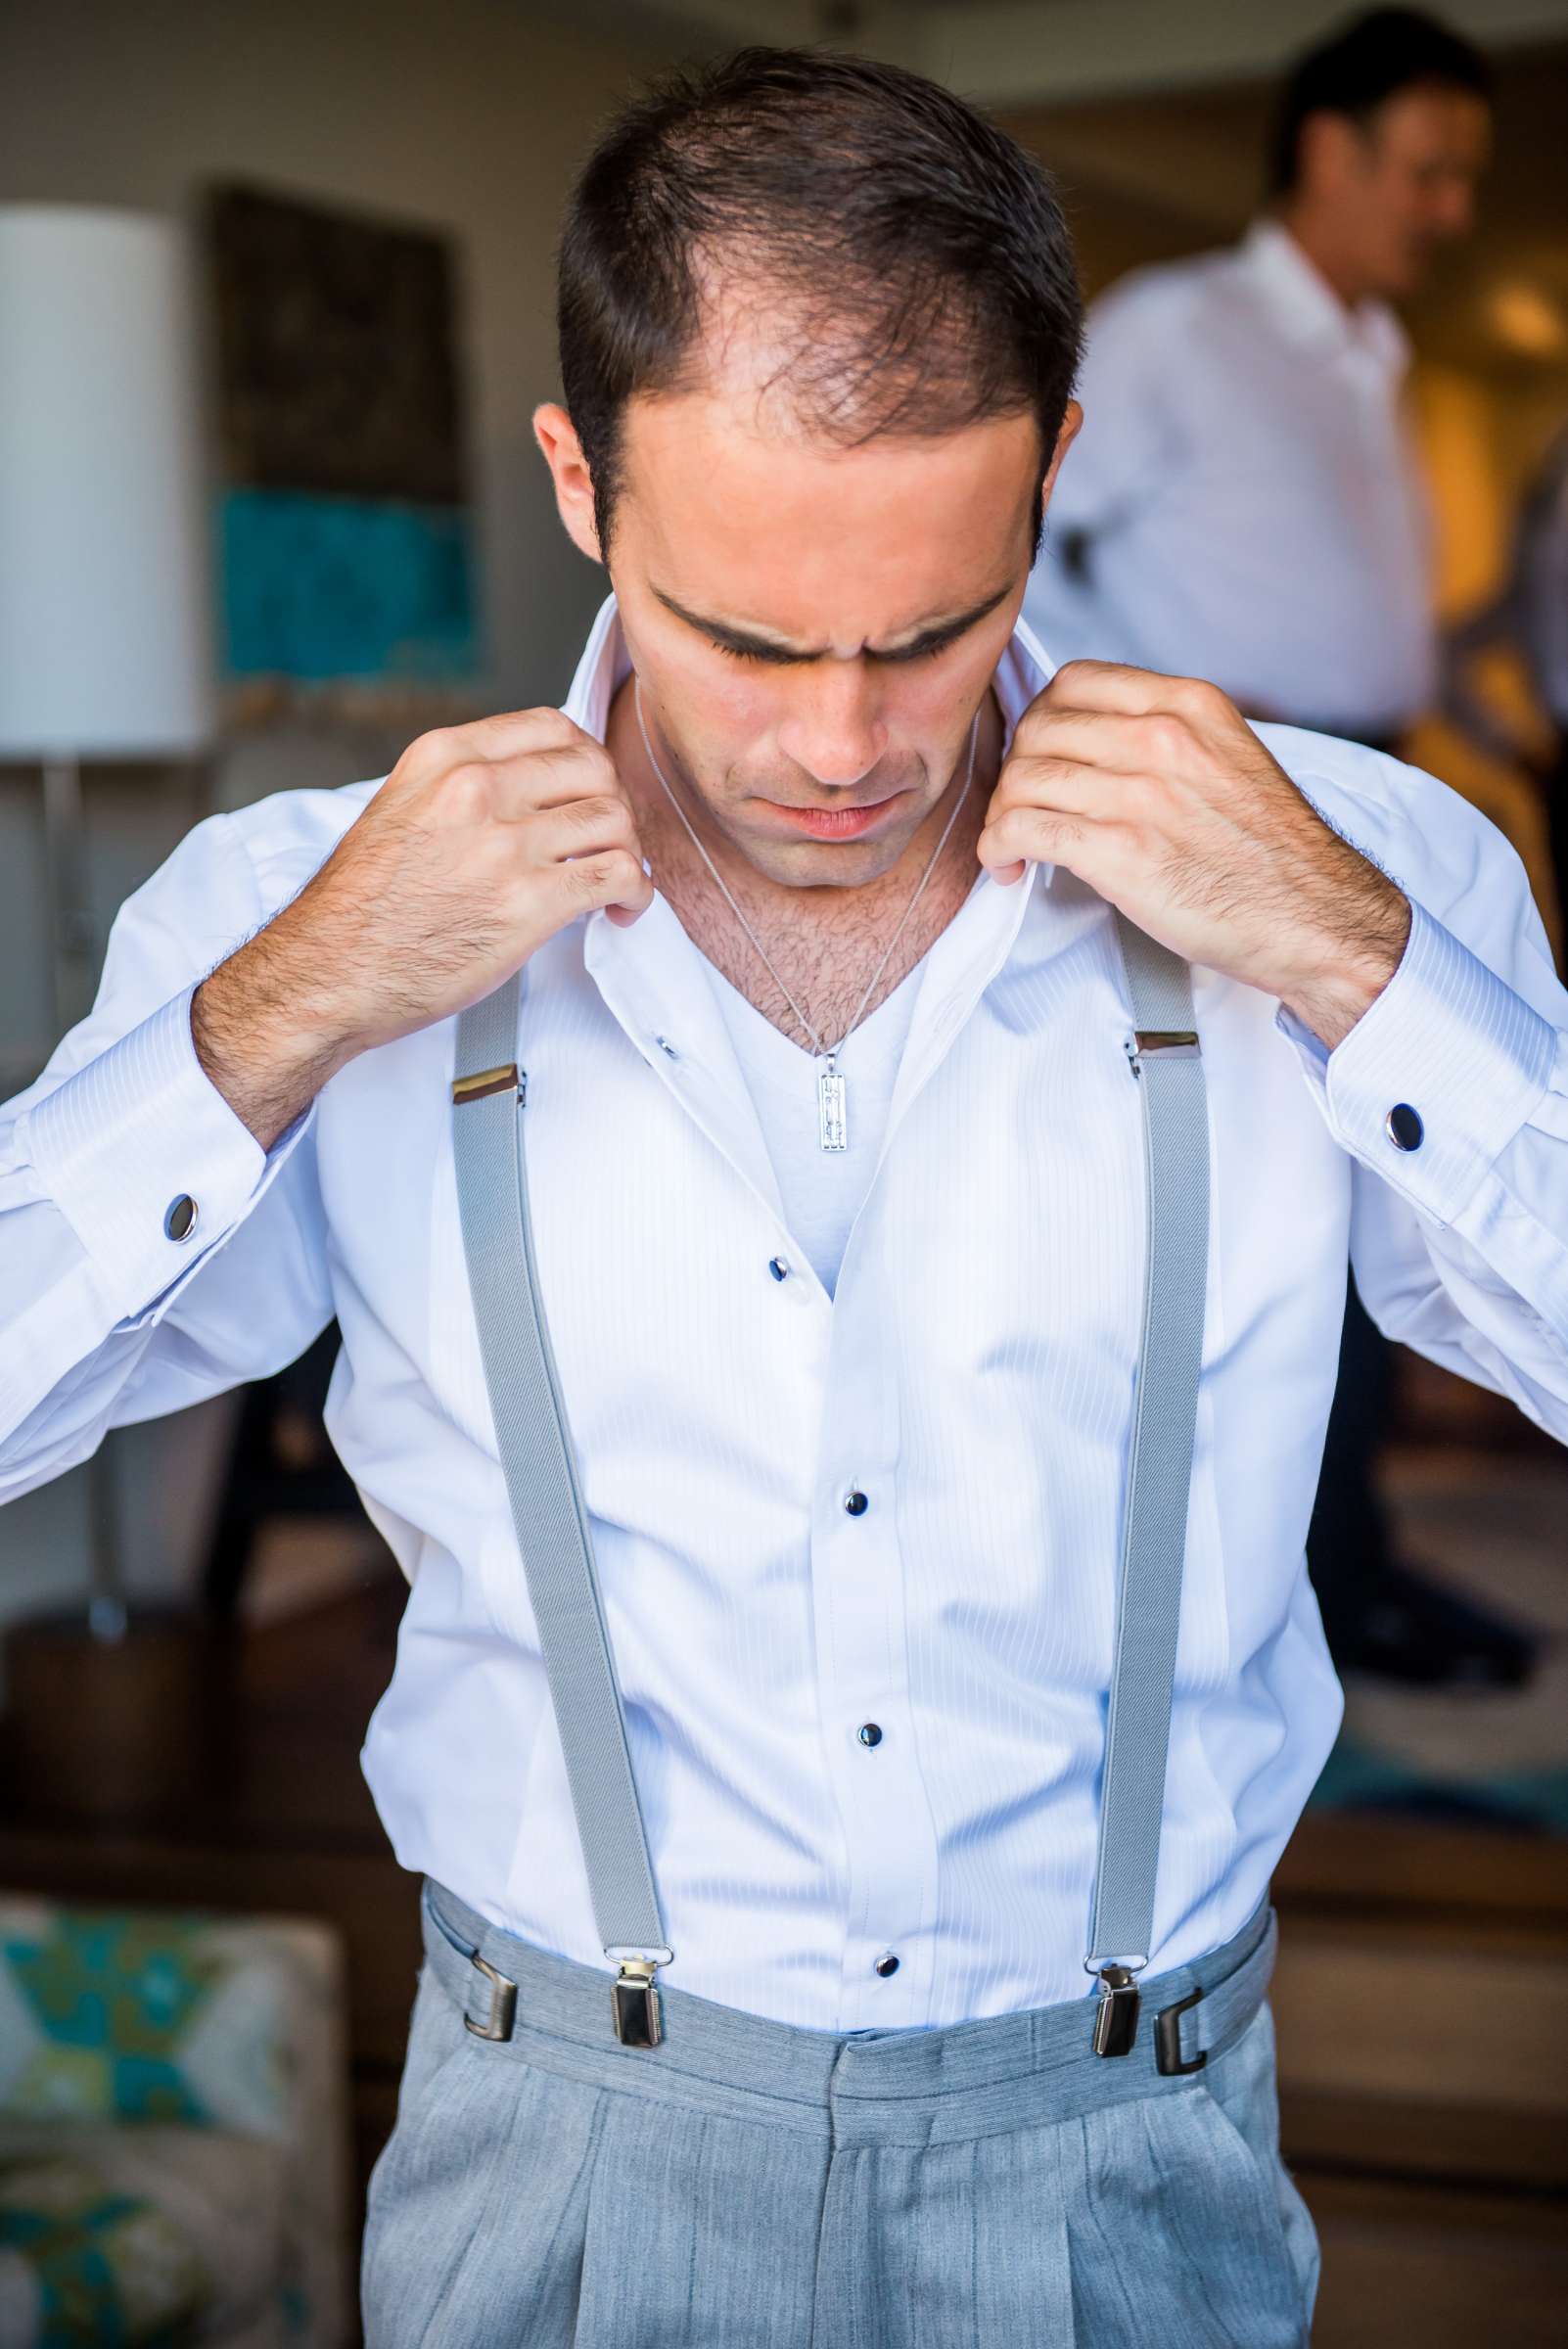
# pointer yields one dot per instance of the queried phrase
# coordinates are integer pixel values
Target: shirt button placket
(891, 1862)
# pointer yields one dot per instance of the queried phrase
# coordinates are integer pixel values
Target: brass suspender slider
(1116, 2022)
(634, 2003)
(491, 1080)
(1180, 1040)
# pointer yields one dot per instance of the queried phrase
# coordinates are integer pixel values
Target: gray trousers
(749, 2185)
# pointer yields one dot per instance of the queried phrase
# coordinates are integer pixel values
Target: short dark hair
(1369, 61)
(916, 256)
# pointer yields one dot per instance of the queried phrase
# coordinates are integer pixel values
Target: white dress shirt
(1247, 493)
(973, 1376)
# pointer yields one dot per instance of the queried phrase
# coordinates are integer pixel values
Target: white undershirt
(822, 1190)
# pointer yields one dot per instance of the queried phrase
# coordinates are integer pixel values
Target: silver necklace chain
(831, 1051)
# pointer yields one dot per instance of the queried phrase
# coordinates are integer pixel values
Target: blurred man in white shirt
(1246, 404)
(1244, 500)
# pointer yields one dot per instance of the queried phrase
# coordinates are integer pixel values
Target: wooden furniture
(1421, 2007)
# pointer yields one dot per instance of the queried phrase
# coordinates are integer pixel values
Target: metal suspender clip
(634, 2003)
(1116, 2021)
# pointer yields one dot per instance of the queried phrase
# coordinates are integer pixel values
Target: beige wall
(469, 115)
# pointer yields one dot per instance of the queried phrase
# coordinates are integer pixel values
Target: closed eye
(928, 648)
(926, 651)
(755, 652)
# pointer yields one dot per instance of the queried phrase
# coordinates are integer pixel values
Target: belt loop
(503, 2003)
(1167, 2038)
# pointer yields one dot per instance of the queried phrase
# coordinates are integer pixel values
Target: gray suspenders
(489, 1094)
(1166, 1059)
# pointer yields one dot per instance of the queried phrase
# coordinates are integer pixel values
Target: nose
(834, 729)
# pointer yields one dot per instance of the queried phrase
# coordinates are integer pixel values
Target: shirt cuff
(1437, 1075)
(139, 1145)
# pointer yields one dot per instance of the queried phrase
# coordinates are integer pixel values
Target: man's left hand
(1156, 792)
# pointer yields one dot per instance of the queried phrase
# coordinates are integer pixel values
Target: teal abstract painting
(345, 530)
(320, 587)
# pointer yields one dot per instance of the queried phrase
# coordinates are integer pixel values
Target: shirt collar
(1310, 311)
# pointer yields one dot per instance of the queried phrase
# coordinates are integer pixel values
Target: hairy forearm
(1350, 983)
(263, 1042)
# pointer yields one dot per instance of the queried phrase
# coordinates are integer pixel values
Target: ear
(562, 450)
(1072, 419)
(1064, 441)
(1332, 153)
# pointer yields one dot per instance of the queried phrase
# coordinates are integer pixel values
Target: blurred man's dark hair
(1367, 61)
(909, 260)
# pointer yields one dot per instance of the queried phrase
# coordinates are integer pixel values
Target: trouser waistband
(909, 2085)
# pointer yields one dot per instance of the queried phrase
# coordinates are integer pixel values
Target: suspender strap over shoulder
(544, 1491)
(1165, 1058)
(543, 1487)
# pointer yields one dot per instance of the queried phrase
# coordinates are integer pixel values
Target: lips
(835, 823)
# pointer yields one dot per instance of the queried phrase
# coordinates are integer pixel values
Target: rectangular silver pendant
(832, 1111)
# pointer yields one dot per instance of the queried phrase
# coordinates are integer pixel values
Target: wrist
(1347, 978)
(260, 1043)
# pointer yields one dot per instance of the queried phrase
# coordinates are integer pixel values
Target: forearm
(261, 1037)
(1346, 989)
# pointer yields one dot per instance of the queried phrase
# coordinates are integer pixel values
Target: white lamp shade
(105, 563)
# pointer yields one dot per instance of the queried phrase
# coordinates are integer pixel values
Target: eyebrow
(771, 648)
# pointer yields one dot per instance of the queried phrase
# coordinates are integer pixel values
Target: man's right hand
(483, 842)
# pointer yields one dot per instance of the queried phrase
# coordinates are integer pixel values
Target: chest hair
(824, 949)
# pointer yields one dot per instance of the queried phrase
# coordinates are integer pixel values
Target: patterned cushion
(143, 2015)
(224, 2195)
(218, 2038)
(83, 2263)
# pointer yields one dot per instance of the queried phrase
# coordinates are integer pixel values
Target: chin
(815, 863)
